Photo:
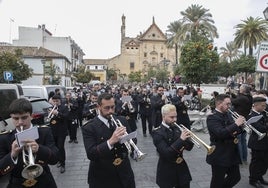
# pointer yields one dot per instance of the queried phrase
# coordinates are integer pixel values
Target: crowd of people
(108, 116)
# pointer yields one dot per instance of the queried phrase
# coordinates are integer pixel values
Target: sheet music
(128, 137)
(28, 134)
(254, 119)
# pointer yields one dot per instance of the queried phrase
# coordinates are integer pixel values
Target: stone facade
(146, 50)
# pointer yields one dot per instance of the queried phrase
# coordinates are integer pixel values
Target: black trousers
(224, 177)
(59, 141)
(258, 164)
(72, 129)
(144, 119)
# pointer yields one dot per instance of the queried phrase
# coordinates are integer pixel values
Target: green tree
(134, 77)
(245, 64)
(162, 75)
(225, 69)
(199, 62)
(111, 74)
(230, 52)
(250, 33)
(175, 37)
(14, 62)
(82, 75)
(197, 21)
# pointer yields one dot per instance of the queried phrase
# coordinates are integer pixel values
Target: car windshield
(40, 105)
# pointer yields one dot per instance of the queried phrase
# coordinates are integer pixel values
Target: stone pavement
(145, 170)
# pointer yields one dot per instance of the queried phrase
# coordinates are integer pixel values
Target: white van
(42, 91)
(8, 93)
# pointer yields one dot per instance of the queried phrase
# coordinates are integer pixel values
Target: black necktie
(111, 126)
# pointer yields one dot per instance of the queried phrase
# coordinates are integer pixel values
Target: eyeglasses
(108, 107)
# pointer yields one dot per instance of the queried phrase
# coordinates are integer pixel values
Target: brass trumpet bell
(32, 171)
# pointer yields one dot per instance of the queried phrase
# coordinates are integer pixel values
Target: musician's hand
(117, 134)
(164, 97)
(15, 149)
(240, 121)
(55, 112)
(185, 134)
(33, 144)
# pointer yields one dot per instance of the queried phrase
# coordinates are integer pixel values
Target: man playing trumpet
(223, 131)
(11, 155)
(170, 141)
(109, 162)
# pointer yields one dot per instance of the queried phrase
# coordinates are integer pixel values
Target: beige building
(147, 50)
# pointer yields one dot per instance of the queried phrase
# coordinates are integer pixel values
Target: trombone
(32, 170)
(139, 155)
(196, 140)
(247, 127)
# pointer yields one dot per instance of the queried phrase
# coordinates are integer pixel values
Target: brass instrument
(137, 153)
(51, 115)
(130, 107)
(127, 101)
(196, 140)
(32, 170)
(247, 127)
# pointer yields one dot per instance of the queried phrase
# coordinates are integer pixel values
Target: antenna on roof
(55, 29)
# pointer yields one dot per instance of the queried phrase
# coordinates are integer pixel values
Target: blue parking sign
(8, 76)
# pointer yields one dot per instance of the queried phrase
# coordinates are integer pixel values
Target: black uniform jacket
(170, 148)
(57, 123)
(102, 169)
(46, 155)
(182, 114)
(261, 126)
(223, 134)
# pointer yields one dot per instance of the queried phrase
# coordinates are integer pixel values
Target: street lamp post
(43, 61)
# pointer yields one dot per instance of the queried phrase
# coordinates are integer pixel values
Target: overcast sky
(95, 25)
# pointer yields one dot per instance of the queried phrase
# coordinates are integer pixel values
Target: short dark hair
(20, 106)
(56, 97)
(221, 97)
(105, 96)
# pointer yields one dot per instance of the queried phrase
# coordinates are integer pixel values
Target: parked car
(8, 93)
(42, 91)
(40, 111)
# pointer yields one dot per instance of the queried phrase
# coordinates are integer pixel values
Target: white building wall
(59, 45)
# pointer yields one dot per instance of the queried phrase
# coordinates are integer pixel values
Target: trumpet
(32, 170)
(247, 127)
(137, 153)
(51, 115)
(196, 140)
(130, 107)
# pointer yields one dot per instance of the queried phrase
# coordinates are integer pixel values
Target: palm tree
(198, 20)
(175, 37)
(230, 52)
(250, 33)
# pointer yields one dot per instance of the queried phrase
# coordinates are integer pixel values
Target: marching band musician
(127, 110)
(182, 114)
(223, 131)
(109, 162)
(90, 108)
(259, 148)
(145, 110)
(11, 155)
(170, 141)
(157, 101)
(71, 119)
(59, 129)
